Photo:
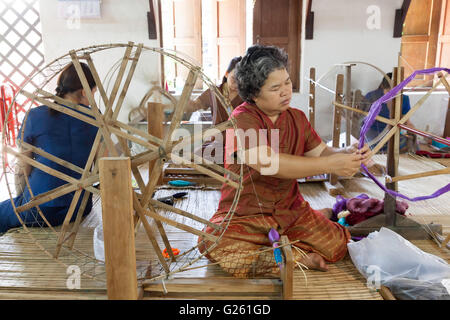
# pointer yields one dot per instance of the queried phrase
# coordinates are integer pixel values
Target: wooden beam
(337, 119)
(393, 151)
(309, 32)
(287, 274)
(118, 228)
(400, 16)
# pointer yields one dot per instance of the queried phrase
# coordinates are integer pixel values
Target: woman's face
(276, 93)
(231, 80)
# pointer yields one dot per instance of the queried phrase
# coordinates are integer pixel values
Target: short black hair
(231, 67)
(384, 83)
(254, 68)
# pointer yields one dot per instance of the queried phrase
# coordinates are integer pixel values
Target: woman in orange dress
(285, 149)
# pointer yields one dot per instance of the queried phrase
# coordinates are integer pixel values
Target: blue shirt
(377, 127)
(63, 136)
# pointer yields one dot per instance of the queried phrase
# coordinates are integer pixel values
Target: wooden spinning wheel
(105, 114)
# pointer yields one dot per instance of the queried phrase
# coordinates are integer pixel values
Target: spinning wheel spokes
(148, 210)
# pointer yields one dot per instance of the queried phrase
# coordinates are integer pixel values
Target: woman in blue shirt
(63, 136)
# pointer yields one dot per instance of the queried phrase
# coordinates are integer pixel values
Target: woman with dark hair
(284, 148)
(228, 88)
(213, 150)
(61, 135)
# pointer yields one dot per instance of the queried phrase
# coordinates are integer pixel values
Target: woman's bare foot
(314, 261)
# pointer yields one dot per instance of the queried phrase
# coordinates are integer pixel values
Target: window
(210, 32)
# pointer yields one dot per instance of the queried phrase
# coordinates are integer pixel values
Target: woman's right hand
(344, 164)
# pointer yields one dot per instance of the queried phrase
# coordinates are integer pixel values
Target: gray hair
(254, 68)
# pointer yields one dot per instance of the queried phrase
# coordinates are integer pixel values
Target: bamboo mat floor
(27, 272)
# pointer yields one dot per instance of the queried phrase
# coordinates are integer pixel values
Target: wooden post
(348, 102)
(287, 274)
(333, 186)
(155, 119)
(393, 154)
(447, 122)
(118, 228)
(312, 96)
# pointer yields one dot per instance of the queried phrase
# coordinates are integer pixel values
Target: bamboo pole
(183, 213)
(203, 170)
(56, 193)
(207, 133)
(337, 120)
(180, 226)
(65, 102)
(379, 118)
(127, 82)
(418, 175)
(119, 242)
(119, 78)
(61, 162)
(403, 120)
(140, 211)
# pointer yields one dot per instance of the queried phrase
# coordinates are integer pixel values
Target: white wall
(121, 21)
(341, 34)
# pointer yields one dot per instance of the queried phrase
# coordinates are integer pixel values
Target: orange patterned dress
(268, 202)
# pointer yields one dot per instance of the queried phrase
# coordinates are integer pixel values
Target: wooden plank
(217, 285)
(418, 175)
(118, 228)
(287, 274)
(379, 118)
(155, 118)
(337, 119)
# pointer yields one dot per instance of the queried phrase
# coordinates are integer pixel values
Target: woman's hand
(343, 164)
(364, 152)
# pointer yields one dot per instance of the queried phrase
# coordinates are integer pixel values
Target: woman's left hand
(364, 151)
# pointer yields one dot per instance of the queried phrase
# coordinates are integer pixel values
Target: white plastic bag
(387, 258)
(99, 247)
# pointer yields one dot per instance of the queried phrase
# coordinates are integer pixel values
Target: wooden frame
(159, 149)
(400, 224)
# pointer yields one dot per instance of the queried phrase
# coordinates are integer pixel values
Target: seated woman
(213, 150)
(61, 135)
(228, 88)
(270, 197)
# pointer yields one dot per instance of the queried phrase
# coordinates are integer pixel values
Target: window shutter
(230, 33)
(278, 23)
(419, 39)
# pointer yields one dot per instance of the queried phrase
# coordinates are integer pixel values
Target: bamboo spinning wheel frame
(61, 244)
(347, 98)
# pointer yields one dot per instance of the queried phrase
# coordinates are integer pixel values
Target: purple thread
(370, 119)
